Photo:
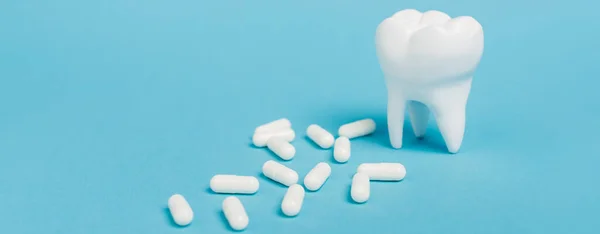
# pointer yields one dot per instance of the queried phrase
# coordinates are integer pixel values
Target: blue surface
(109, 107)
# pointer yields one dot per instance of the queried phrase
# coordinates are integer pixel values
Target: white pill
(260, 139)
(234, 184)
(341, 149)
(383, 171)
(357, 128)
(320, 136)
(281, 148)
(180, 210)
(275, 125)
(292, 201)
(235, 213)
(361, 189)
(317, 176)
(279, 173)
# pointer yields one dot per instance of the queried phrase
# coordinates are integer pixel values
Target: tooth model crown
(428, 60)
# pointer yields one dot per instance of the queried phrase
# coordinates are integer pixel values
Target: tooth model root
(395, 119)
(452, 127)
(447, 104)
(418, 114)
(451, 123)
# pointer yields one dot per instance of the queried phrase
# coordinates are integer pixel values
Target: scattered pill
(357, 128)
(361, 189)
(260, 139)
(275, 125)
(279, 173)
(341, 149)
(292, 201)
(320, 136)
(180, 210)
(281, 148)
(383, 171)
(317, 176)
(235, 213)
(234, 184)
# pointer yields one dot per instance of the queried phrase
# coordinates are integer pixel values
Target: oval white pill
(278, 124)
(292, 201)
(317, 176)
(341, 149)
(234, 184)
(281, 148)
(383, 171)
(361, 189)
(357, 128)
(235, 213)
(279, 173)
(180, 210)
(260, 139)
(320, 136)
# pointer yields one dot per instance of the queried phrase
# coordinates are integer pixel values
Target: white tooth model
(428, 60)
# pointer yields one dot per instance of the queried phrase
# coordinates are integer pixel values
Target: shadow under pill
(333, 161)
(252, 145)
(262, 176)
(385, 181)
(209, 191)
(224, 221)
(280, 212)
(313, 143)
(169, 217)
(275, 156)
(349, 195)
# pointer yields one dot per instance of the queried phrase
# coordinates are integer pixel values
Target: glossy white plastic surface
(360, 190)
(292, 201)
(180, 210)
(428, 60)
(279, 173)
(260, 139)
(235, 213)
(234, 184)
(317, 176)
(320, 136)
(358, 128)
(341, 149)
(383, 171)
(281, 147)
(274, 125)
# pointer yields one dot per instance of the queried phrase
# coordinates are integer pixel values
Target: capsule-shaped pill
(260, 139)
(383, 171)
(361, 188)
(292, 201)
(341, 149)
(358, 128)
(320, 136)
(279, 173)
(180, 210)
(281, 148)
(235, 213)
(234, 184)
(317, 176)
(275, 125)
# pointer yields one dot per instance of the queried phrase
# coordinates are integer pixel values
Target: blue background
(109, 107)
